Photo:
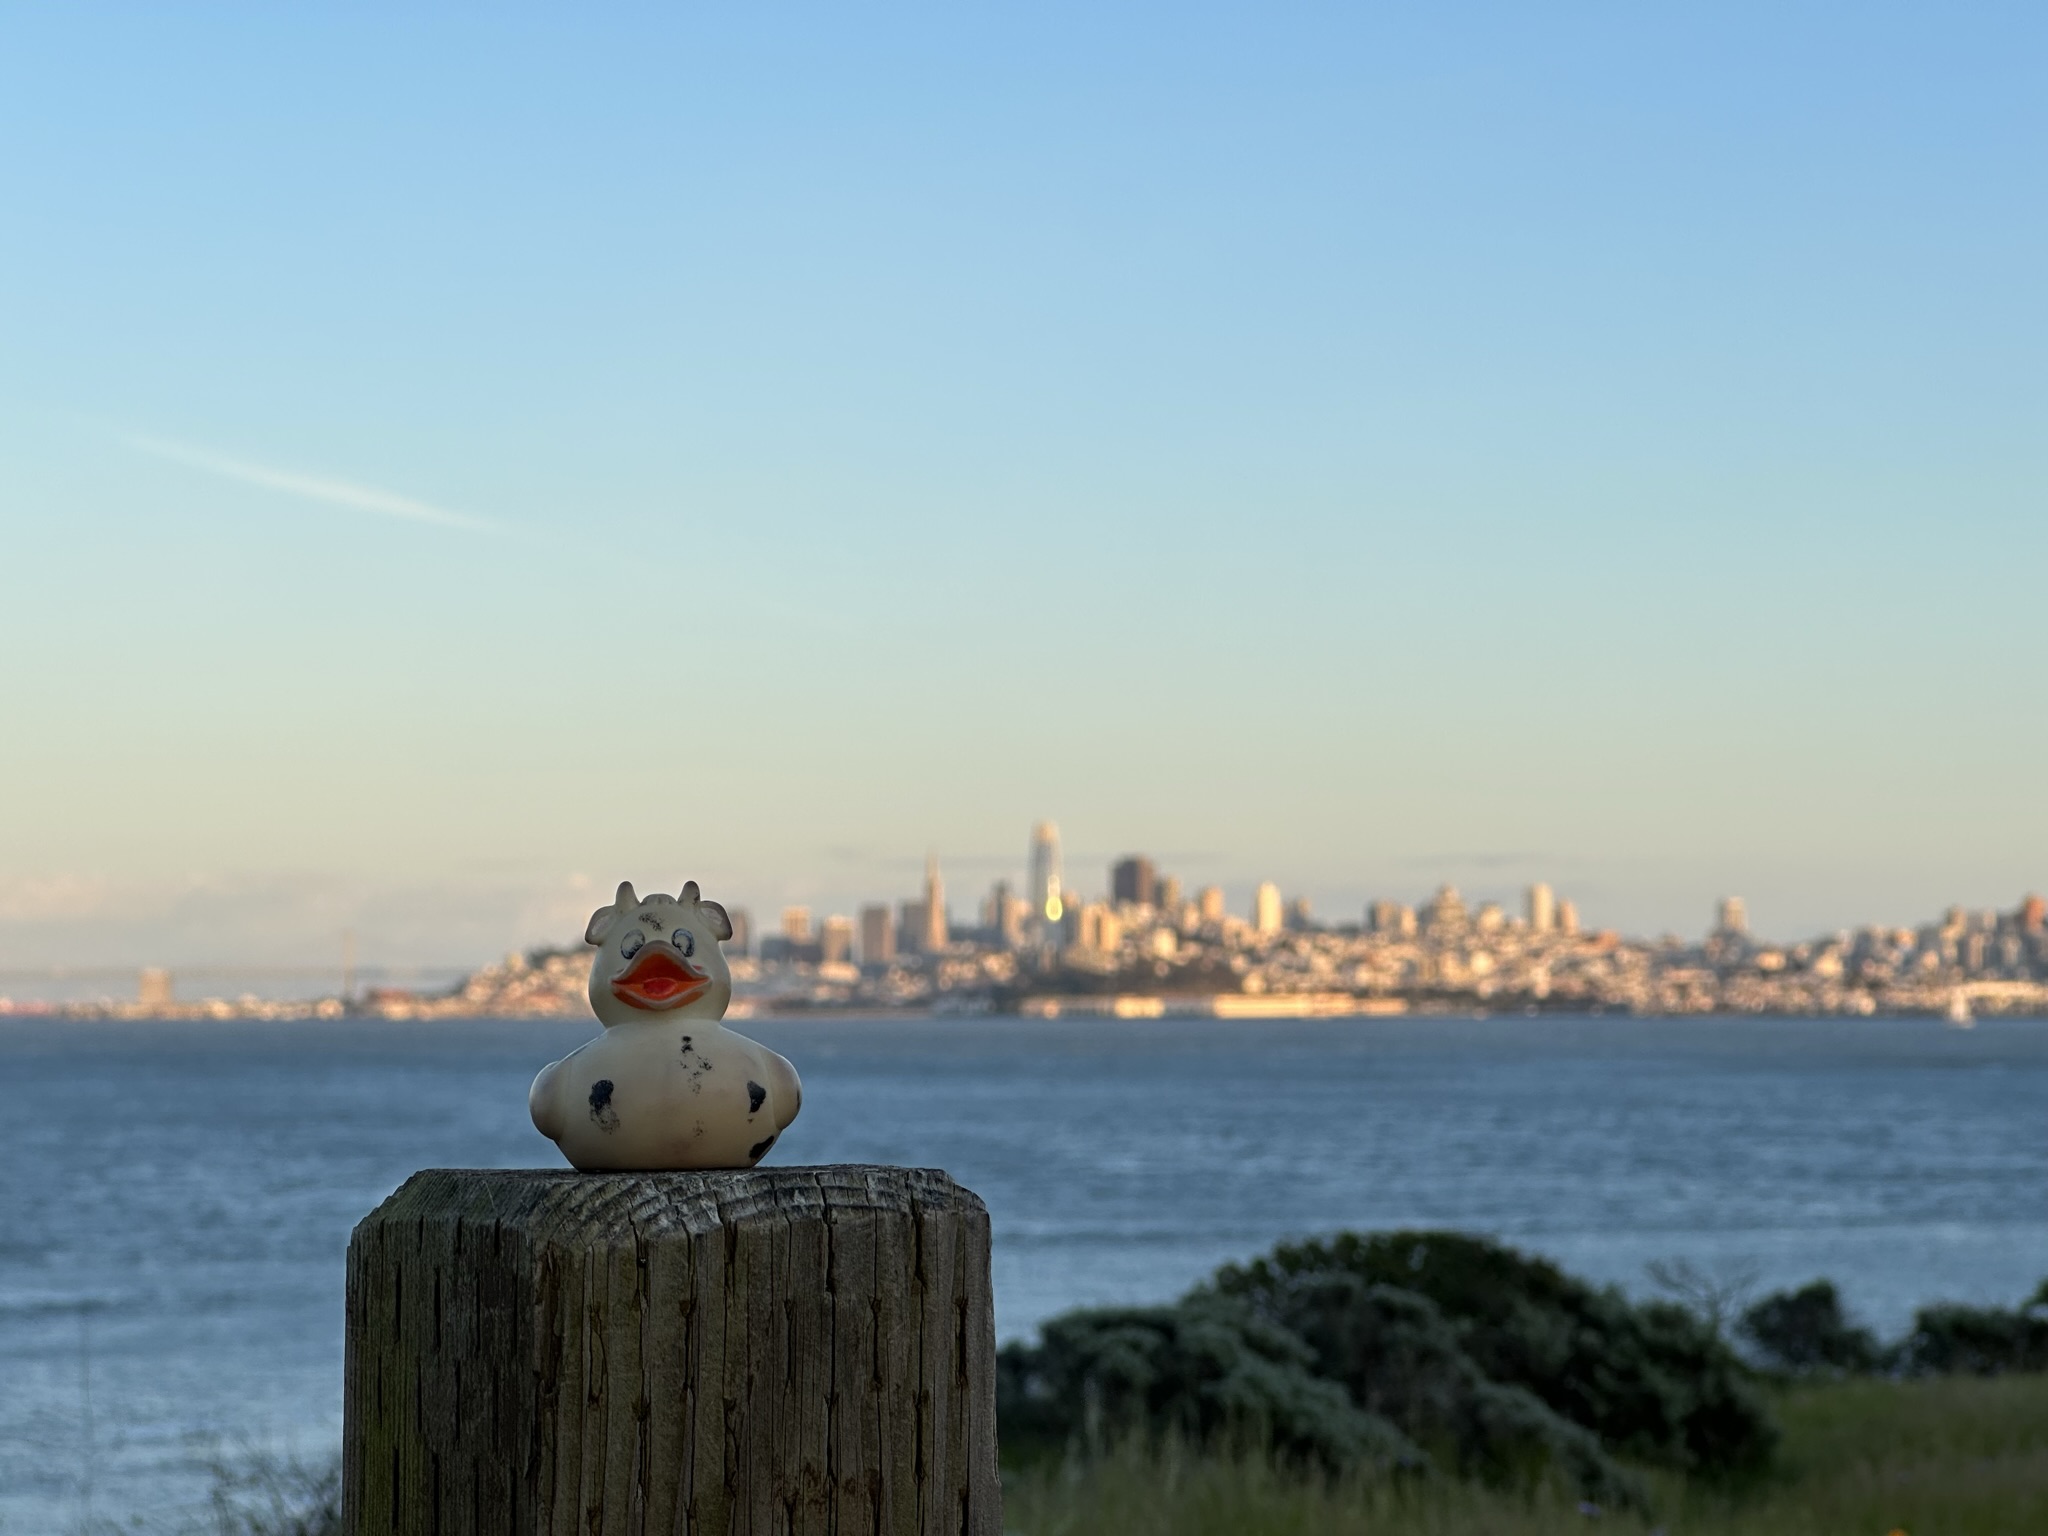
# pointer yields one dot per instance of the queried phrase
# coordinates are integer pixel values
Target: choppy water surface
(176, 1198)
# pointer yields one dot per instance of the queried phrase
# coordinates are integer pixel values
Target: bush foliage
(1950, 1340)
(1206, 1371)
(1652, 1382)
(1418, 1352)
(1408, 1351)
(1805, 1332)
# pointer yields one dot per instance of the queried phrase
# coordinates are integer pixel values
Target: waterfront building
(835, 941)
(796, 924)
(1211, 902)
(1541, 908)
(1133, 882)
(1266, 911)
(1044, 890)
(1732, 919)
(877, 935)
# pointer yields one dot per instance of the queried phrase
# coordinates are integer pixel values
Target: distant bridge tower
(153, 990)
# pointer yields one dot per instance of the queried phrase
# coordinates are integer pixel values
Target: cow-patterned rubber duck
(666, 1085)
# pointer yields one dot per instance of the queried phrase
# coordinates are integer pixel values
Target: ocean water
(175, 1199)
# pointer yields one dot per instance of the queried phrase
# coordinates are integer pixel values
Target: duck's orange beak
(659, 978)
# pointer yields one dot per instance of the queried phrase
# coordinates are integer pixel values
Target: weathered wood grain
(794, 1350)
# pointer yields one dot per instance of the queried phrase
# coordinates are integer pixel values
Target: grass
(1952, 1456)
(1956, 1456)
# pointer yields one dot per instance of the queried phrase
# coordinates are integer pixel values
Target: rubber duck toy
(666, 1085)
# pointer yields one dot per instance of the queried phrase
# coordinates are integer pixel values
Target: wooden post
(781, 1350)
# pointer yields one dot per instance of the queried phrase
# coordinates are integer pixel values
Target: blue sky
(451, 462)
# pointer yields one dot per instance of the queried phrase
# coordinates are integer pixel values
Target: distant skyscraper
(742, 940)
(1733, 918)
(835, 941)
(1166, 895)
(1044, 891)
(1266, 913)
(1010, 913)
(1300, 915)
(1541, 908)
(1133, 882)
(1100, 929)
(911, 927)
(1392, 918)
(1568, 916)
(877, 935)
(1445, 912)
(935, 934)
(2033, 914)
(1211, 901)
(796, 924)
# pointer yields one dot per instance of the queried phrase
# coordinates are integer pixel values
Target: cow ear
(690, 893)
(721, 925)
(602, 919)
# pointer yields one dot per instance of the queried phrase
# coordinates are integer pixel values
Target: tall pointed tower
(934, 906)
(1044, 894)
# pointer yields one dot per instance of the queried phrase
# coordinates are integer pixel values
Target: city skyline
(445, 468)
(892, 921)
(1148, 947)
(1136, 880)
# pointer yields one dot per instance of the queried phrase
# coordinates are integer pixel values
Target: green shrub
(1651, 1382)
(1399, 1358)
(1806, 1332)
(1951, 1340)
(1408, 1349)
(1206, 1371)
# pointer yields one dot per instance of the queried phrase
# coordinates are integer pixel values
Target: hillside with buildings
(1147, 947)
(1137, 957)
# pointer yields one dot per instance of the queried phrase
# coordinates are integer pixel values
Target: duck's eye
(684, 940)
(629, 946)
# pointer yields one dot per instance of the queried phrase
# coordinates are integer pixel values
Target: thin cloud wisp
(339, 493)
